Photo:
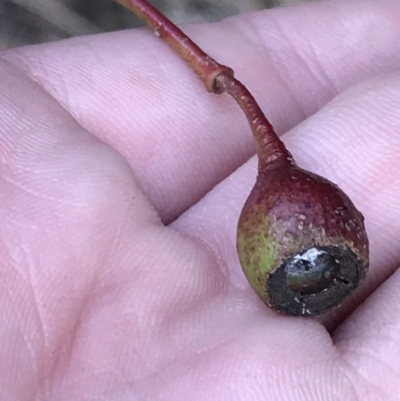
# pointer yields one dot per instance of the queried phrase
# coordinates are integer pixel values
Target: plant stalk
(218, 79)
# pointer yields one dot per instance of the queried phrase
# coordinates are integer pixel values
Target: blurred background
(34, 21)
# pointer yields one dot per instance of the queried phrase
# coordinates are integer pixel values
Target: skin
(118, 283)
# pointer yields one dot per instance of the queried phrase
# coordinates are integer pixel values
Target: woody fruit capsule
(301, 241)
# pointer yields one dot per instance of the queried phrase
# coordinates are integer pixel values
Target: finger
(370, 343)
(135, 94)
(66, 200)
(354, 142)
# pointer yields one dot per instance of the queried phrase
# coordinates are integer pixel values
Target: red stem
(217, 78)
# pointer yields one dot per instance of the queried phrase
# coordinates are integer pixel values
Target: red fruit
(301, 241)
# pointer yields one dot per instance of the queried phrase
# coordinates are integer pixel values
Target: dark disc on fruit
(315, 280)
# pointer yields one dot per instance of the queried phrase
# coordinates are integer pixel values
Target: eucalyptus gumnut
(301, 241)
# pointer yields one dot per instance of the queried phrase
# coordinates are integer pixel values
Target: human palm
(121, 185)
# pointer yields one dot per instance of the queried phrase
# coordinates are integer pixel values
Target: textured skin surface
(101, 301)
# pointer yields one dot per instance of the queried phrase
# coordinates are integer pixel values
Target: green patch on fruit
(258, 254)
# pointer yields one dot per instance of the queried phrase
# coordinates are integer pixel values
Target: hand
(121, 184)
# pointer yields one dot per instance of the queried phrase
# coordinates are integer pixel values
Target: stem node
(217, 78)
